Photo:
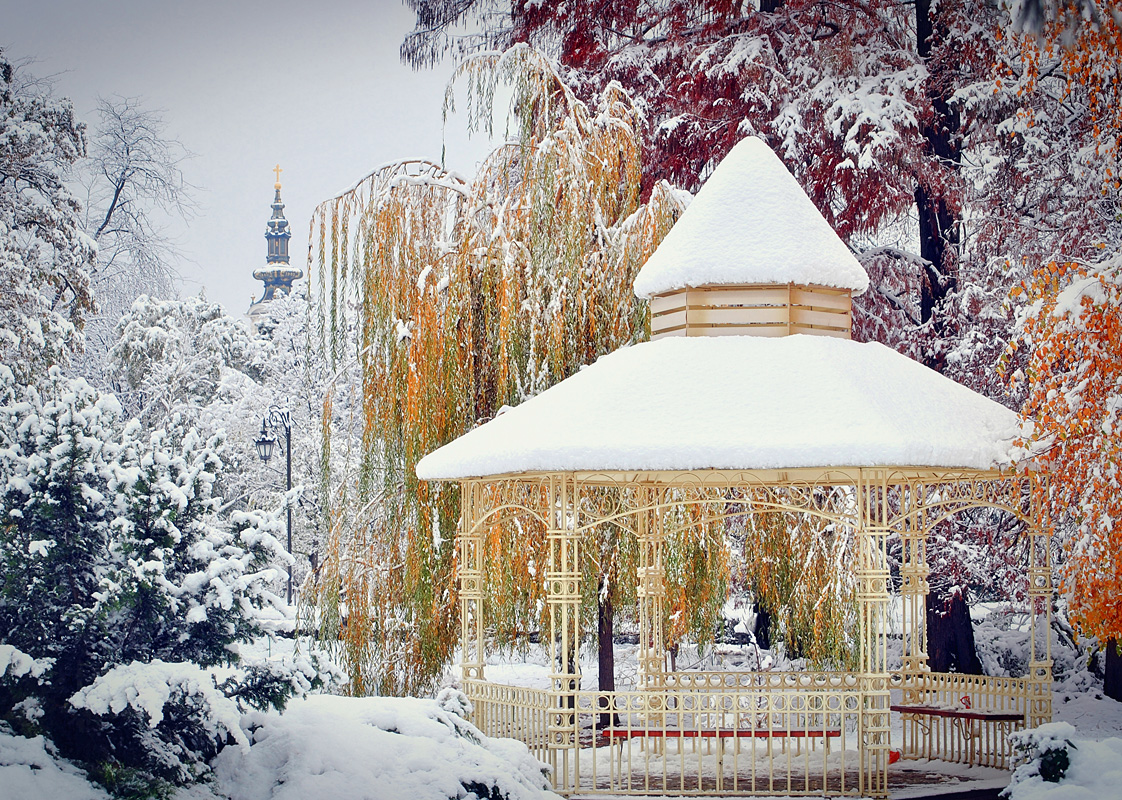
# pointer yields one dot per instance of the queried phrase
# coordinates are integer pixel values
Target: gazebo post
(470, 541)
(872, 594)
(1040, 592)
(914, 587)
(563, 597)
(651, 591)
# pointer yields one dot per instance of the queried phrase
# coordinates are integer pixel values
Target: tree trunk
(1112, 676)
(605, 637)
(950, 635)
(761, 630)
(939, 222)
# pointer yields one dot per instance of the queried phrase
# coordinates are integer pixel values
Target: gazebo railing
(700, 733)
(962, 718)
(513, 712)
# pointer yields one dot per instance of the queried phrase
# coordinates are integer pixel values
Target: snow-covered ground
(356, 748)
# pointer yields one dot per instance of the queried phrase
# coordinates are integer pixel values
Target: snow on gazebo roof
(751, 223)
(739, 403)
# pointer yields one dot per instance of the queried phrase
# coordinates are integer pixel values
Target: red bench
(961, 713)
(715, 733)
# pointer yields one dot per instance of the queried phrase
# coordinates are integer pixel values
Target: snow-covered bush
(1055, 765)
(1043, 752)
(376, 747)
(112, 553)
(171, 714)
(1003, 647)
(31, 768)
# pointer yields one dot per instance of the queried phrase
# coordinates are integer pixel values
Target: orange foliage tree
(1071, 323)
(1072, 329)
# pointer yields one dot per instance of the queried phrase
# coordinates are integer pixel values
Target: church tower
(277, 274)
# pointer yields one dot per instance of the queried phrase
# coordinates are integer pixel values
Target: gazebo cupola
(751, 256)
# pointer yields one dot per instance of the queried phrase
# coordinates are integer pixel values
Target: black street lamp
(265, 444)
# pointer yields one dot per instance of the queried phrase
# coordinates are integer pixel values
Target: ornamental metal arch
(691, 732)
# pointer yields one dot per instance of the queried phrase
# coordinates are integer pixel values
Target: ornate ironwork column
(914, 588)
(470, 543)
(1040, 593)
(651, 590)
(563, 598)
(872, 596)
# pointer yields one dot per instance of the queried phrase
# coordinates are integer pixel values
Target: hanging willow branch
(442, 300)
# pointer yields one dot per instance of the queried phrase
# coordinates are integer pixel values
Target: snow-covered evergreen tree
(45, 257)
(115, 562)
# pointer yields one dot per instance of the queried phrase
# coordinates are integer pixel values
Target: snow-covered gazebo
(750, 387)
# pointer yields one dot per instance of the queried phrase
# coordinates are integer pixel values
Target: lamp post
(265, 444)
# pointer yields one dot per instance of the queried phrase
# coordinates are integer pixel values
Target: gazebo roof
(751, 223)
(739, 403)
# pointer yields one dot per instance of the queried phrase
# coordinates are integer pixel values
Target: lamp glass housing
(265, 446)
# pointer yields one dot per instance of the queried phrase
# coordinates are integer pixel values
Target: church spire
(277, 274)
(277, 234)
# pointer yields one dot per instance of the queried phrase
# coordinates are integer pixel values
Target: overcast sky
(246, 84)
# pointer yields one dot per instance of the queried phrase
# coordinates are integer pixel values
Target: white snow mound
(375, 748)
(739, 402)
(750, 223)
(31, 769)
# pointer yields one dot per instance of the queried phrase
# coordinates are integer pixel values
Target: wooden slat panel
(737, 316)
(671, 320)
(837, 333)
(820, 299)
(668, 302)
(737, 330)
(755, 296)
(803, 316)
(747, 310)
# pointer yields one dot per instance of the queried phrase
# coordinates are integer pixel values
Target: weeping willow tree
(442, 300)
(798, 567)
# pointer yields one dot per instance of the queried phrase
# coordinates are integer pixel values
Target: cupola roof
(751, 223)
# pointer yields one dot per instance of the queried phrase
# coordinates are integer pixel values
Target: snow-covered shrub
(375, 747)
(112, 552)
(1003, 648)
(268, 682)
(1043, 752)
(1055, 765)
(172, 715)
(454, 701)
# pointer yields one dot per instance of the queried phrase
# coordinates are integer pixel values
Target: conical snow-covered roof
(751, 223)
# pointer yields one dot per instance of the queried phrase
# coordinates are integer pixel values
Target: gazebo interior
(751, 399)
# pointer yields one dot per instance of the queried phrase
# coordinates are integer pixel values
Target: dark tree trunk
(761, 630)
(939, 233)
(938, 244)
(1112, 676)
(605, 637)
(950, 635)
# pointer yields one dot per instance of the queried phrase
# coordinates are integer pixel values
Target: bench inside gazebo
(750, 398)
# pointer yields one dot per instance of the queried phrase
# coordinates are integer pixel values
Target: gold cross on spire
(277, 169)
